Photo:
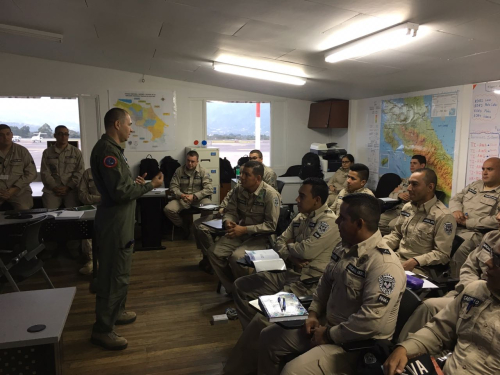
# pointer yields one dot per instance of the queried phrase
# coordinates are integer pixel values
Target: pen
(279, 303)
(284, 304)
(469, 306)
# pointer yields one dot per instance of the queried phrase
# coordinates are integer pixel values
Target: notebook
(282, 307)
(265, 260)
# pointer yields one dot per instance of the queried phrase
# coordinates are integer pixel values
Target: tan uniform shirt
(270, 177)
(313, 237)
(61, 167)
(338, 202)
(197, 182)
(470, 325)
(17, 168)
(403, 188)
(258, 211)
(360, 291)
(479, 204)
(87, 191)
(339, 180)
(425, 233)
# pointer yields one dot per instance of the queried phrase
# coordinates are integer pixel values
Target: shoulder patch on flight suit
(448, 228)
(384, 251)
(472, 191)
(487, 247)
(490, 196)
(404, 213)
(383, 299)
(386, 283)
(429, 221)
(110, 162)
(472, 301)
(356, 271)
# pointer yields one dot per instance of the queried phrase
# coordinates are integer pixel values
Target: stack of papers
(70, 215)
(265, 260)
(282, 307)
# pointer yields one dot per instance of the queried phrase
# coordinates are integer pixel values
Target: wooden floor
(174, 302)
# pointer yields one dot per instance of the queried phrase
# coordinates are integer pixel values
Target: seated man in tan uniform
(61, 171)
(389, 217)
(357, 299)
(468, 326)
(475, 208)
(270, 177)
(190, 184)
(424, 232)
(357, 177)
(307, 245)
(88, 194)
(252, 211)
(17, 171)
(339, 178)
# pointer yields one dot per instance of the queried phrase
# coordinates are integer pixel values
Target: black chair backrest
(387, 183)
(440, 195)
(409, 302)
(292, 171)
(311, 166)
(457, 242)
(31, 240)
(281, 185)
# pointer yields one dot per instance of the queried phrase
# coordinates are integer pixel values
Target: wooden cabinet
(329, 114)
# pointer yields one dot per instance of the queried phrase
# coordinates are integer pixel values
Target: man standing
(425, 229)
(61, 171)
(389, 217)
(114, 226)
(190, 184)
(307, 245)
(357, 299)
(357, 177)
(474, 209)
(17, 171)
(269, 177)
(253, 209)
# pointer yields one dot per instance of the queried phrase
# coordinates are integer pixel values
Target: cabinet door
(319, 114)
(339, 114)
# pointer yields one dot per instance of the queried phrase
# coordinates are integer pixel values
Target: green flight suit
(114, 227)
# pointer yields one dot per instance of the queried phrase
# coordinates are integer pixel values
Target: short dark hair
(113, 115)
(363, 206)
(318, 188)
(193, 153)
(58, 127)
(430, 176)
(5, 126)
(257, 167)
(348, 156)
(362, 170)
(421, 159)
(256, 152)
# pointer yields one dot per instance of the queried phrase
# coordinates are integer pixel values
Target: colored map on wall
(424, 125)
(153, 115)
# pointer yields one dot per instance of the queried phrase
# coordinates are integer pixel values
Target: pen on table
(284, 304)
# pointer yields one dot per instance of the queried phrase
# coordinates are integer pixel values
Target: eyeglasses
(65, 134)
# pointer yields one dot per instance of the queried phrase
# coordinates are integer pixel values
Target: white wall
(290, 137)
(358, 128)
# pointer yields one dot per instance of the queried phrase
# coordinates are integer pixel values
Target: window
(231, 127)
(33, 120)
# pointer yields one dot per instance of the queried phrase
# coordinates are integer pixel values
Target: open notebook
(265, 260)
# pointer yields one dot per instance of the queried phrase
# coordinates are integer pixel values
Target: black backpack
(226, 171)
(149, 166)
(311, 166)
(168, 166)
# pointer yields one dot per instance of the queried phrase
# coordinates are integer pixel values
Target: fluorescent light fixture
(259, 74)
(393, 37)
(14, 30)
(496, 92)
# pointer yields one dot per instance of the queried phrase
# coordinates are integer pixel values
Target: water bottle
(237, 173)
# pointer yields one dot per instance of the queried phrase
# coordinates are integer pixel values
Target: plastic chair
(387, 183)
(22, 262)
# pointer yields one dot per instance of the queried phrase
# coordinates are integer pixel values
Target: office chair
(281, 185)
(292, 171)
(22, 262)
(440, 195)
(387, 183)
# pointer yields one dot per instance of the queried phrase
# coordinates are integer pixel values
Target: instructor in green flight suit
(114, 226)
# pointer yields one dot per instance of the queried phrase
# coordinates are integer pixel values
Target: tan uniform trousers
(388, 220)
(52, 201)
(460, 256)
(203, 234)
(224, 254)
(423, 314)
(173, 208)
(21, 201)
(87, 248)
(277, 345)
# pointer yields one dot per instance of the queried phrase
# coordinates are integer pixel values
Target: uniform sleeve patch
(487, 247)
(384, 251)
(472, 301)
(383, 299)
(429, 221)
(312, 224)
(448, 228)
(387, 283)
(296, 225)
(335, 257)
(404, 213)
(316, 235)
(276, 201)
(322, 227)
(110, 162)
